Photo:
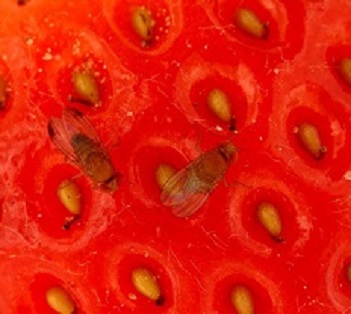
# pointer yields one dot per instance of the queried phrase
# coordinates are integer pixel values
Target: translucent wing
(61, 138)
(62, 130)
(191, 205)
(184, 193)
(76, 123)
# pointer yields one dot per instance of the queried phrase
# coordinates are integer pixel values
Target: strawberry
(224, 127)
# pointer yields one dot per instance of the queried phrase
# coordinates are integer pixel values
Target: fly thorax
(211, 167)
(82, 145)
(228, 151)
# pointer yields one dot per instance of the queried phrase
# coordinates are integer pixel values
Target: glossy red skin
(147, 117)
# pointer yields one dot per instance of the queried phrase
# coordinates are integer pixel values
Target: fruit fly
(188, 189)
(77, 139)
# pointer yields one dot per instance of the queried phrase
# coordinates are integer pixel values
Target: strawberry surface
(151, 110)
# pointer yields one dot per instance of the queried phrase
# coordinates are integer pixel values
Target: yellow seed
(146, 283)
(248, 22)
(268, 216)
(348, 272)
(242, 301)
(163, 173)
(219, 104)
(310, 139)
(69, 195)
(60, 301)
(143, 23)
(345, 69)
(3, 92)
(86, 87)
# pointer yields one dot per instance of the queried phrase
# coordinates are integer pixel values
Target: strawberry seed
(60, 301)
(247, 21)
(241, 299)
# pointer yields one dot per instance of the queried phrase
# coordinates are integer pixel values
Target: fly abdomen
(212, 167)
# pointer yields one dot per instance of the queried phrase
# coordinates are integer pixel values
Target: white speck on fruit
(168, 21)
(347, 175)
(276, 71)
(76, 48)
(130, 114)
(132, 296)
(29, 41)
(218, 128)
(47, 56)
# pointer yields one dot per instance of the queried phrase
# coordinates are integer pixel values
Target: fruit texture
(142, 72)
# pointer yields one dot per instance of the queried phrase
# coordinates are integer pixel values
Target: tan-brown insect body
(187, 190)
(94, 161)
(212, 166)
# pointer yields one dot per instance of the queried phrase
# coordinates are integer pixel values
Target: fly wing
(183, 194)
(61, 137)
(76, 123)
(190, 206)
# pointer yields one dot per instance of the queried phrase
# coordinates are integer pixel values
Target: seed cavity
(146, 283)
(86, 88)
(219, 104)
(310, 139)
(3, 93)
(242, 300)
(143, 24)
(247, 21)
(269, 218)
(60, 300)
(345, 69)
(163, 173)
